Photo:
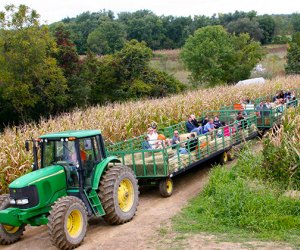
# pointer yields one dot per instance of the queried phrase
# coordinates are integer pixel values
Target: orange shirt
(83, 155)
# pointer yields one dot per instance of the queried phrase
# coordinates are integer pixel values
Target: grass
(273, 62)
(238, 203)
(169, 61)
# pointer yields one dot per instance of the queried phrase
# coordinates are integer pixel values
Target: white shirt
(153, 138)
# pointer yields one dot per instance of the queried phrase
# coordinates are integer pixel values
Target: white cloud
(55, 10)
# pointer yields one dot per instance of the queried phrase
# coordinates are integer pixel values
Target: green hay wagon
(158, 166)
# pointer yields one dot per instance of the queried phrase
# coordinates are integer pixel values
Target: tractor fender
(100, 168)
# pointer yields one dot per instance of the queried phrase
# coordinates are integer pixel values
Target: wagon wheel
(166, 187)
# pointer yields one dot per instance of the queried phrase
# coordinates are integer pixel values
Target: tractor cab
(77, 151)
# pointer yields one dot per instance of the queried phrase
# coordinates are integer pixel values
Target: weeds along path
(154, 212)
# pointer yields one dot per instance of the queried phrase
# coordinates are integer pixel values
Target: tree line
(41, 73)
(104, 33)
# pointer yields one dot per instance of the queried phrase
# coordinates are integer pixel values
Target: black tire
(67, 222)
(9, 234)
(222, 158)
(166, 187)
(230, 155)
(119, 194)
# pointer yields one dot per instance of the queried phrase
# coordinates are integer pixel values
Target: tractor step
(95, 203)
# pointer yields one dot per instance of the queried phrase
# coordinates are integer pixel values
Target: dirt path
(144, 231)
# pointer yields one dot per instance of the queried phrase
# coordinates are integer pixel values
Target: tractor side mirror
(27, 145)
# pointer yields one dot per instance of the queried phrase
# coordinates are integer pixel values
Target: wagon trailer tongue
(73, 180)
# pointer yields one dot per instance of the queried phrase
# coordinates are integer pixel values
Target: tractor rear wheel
(67, 222)
(9, 234)
(166, 187)
(119, 194)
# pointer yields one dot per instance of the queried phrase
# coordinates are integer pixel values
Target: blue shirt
(174, 139)
(146, 145)
(207, 127)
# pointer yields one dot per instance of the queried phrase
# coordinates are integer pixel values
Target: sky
(55, 10)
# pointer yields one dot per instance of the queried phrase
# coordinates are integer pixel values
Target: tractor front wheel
(9, 234)
(166, 187)
(119, 194)
(67, 222)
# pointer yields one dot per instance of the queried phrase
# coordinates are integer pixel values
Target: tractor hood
(39, 188)
(37, 176)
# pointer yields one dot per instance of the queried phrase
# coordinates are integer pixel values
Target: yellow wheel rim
(11, 229)
(125, 195)
(75, 223)
(169, 186)
(225, 157)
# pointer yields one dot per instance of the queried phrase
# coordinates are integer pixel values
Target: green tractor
(72, 179)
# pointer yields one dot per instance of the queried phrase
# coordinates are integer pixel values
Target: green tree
(296, 22)
(82, 25)
(108, 38)
(230, 17)
(267, 25)
(31, 82)
(246, 25)
(177, 30)
(293, 55)
(143, 25)
(127, 75)
(214, 56)
(283, 25)
(102, 76)
(78, 91)
(133, 59)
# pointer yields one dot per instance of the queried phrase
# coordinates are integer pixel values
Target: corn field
(119, 121)
(282, 151)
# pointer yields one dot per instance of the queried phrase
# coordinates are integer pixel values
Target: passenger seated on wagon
(176, 140)
(279, 106)
(146, 144)
(267, 105)
(163, 140)
(259, 107)
(287, 95)
(204, 121)
(242, 122)
(266, 109)
(280, 95)
(217, 122)
(209, 126)
(226, 129)
(190, 127)
(291, 100)
(153, 138)
(195, 122)
(293, 95)
(192, 143)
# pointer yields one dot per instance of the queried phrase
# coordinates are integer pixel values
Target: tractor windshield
(60, 152)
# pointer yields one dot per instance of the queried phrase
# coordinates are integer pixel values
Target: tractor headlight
(12, 201)
(22, 201)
